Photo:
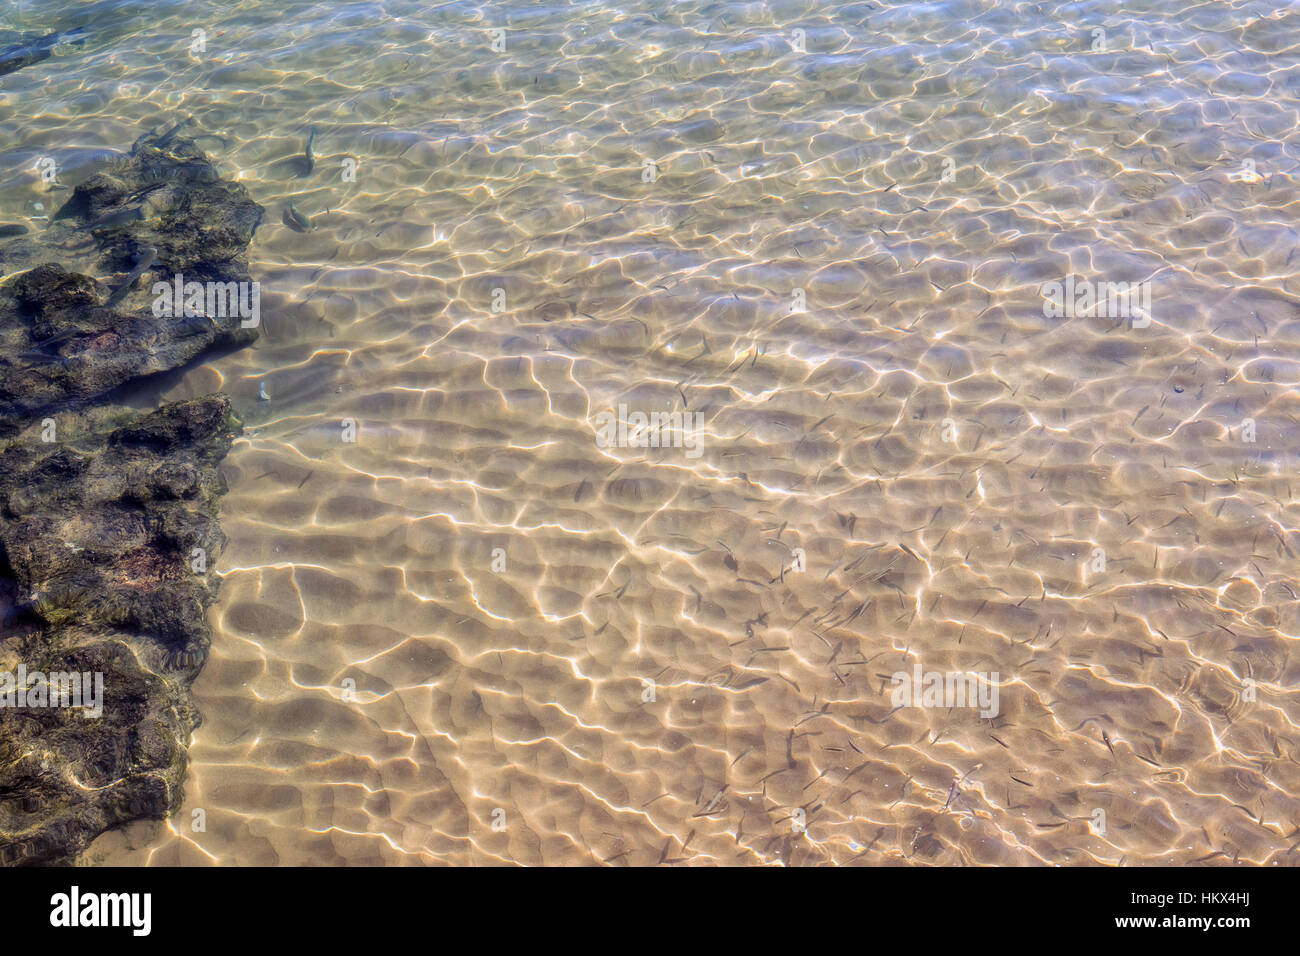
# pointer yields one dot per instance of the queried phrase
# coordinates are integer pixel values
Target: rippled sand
(650, 187)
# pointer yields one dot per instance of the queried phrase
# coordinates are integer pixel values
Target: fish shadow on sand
(299, 166)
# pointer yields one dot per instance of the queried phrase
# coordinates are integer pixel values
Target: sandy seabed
(474, 635)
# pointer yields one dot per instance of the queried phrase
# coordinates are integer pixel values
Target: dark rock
(61, 343)
(109, 556)
(172, 198)
(108, 521)
(35, 49)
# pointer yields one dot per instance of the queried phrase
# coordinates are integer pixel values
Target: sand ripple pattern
(649, 185)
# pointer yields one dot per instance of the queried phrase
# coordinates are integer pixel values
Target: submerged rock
(107, 541)
(108, 530)
(35, 49)
(67, 338)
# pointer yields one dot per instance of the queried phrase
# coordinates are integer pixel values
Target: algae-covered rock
(167, 195)
(108, 517)
(67, 338)
(107, 543)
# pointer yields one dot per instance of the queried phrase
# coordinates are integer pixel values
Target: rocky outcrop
(67, 338)
(107, 541)
(108, 517)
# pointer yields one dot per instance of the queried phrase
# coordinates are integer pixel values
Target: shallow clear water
(826, 229)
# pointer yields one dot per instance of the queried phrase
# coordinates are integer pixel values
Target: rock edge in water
(67, 339)
(108, 516)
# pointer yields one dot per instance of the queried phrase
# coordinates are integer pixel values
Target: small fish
(17, 229)
(952, 792)
(261, 392)
(141, 193)
(296, 220)
(166, 138)
(307, 162)
(730, 560)
(147, 258)
(118, 218)
(48, 349)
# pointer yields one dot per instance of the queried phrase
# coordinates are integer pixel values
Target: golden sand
(907, 464)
